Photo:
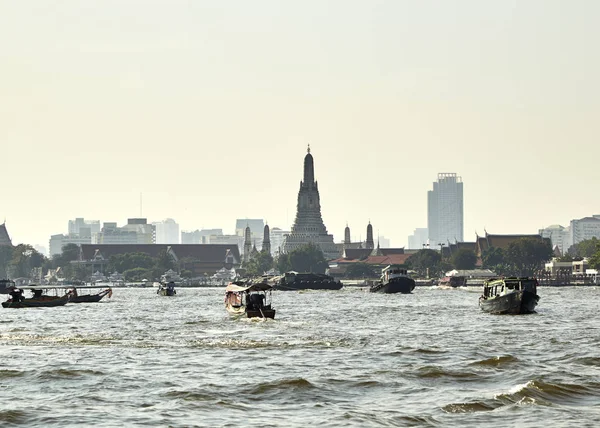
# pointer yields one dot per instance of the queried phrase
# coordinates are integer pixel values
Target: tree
(306, 258)
(425, 260)
(464, 259)
(594, 261)
(24, 259)
(360, 270)
(123, 262)
(259, 264)
(527, 254)
(283, 263)
(585, 248)
(165, 261)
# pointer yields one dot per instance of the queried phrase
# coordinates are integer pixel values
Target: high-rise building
(167, 231)
(308, 226)
(418, 239)
(445, 219)
(558, 235)
(583, 229)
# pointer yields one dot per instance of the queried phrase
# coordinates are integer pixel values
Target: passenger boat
(78, 297)
(394, 279)
(453, 281)
(252, 299)
(307, 281)
(166, 289)
(514, 295)
(38, 299)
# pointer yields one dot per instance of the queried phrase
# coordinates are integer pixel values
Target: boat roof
(240, 286)
(57, 287)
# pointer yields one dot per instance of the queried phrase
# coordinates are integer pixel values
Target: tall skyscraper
(308, 226)
(445, 219)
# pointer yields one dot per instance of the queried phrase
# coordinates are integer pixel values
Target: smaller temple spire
(266, 246)
(308, 149)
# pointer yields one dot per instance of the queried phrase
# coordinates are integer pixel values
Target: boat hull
(518, 302)
(164, 292)
(89, 298)
(402, 285)
(44, 302)
(250, 313)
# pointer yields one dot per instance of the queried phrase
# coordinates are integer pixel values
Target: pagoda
(308, 226)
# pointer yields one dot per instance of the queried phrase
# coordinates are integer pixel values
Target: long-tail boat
(39, 299)
(251, 299)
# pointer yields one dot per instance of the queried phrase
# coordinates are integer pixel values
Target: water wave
(6, 374)
(435, 372)
(295, 384)
(67, 373)
(496, 361)
(13, 417)
(534, 392)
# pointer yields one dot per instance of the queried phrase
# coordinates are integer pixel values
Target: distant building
(167, 231)
(200, 236)
(418, 239)
(559, 236)
(583, 229)
(136, 231)
(308, 226)
(91, 226)
(57, 242)
(277, 239)
(445, 219)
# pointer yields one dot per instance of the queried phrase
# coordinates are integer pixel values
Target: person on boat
(37, 293)
(16, 294)
(257, 300)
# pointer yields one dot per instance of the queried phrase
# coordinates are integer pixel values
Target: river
(332, 358)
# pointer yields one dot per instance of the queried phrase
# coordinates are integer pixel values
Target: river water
(332, 358)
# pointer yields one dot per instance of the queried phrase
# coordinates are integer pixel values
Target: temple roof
(201, 252)
(4, 237)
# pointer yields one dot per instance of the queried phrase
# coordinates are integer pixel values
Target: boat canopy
(241, 287)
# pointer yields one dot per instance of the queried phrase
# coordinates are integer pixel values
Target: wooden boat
(453, 281)
(307, 281)
(166, 289)
(38, 300)
(514, 295)
(250, 299)
(77, 297)
(394, 279)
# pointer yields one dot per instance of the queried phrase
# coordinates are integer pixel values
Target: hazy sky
(206, 108)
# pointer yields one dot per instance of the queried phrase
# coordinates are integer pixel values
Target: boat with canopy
(252, 299)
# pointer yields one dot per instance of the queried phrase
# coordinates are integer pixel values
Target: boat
(254, 300)
(77, 297)
(307, 281)
(38, 299)
(453, 281)
(166, 289)
(513, 295)
(394, 279)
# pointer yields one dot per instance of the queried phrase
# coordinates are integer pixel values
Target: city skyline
(175, 101)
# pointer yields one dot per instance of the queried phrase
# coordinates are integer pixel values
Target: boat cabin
(393, 271)
(500, 287)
